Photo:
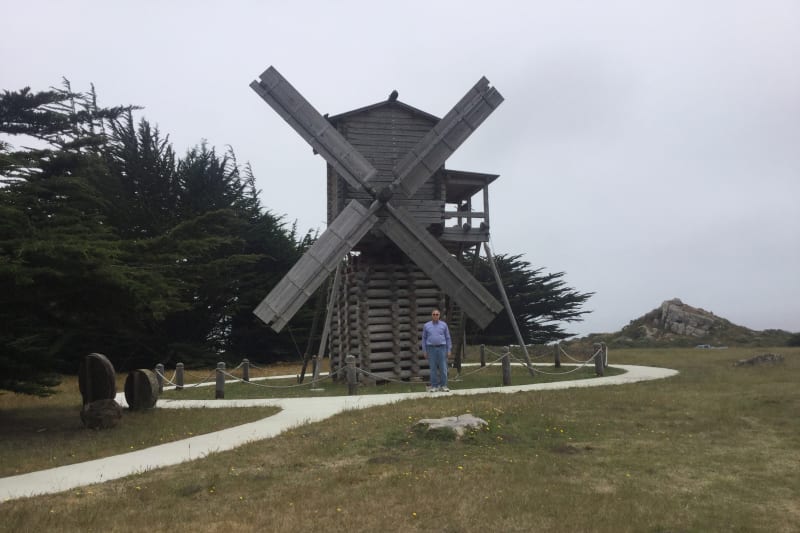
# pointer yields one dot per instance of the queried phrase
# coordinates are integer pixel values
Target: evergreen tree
(276, 250)
(109, 243)
(58, 258)
(146, 190)
(197, 221)
(210, 182)
(540, 302)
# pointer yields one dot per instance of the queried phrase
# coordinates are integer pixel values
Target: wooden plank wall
(378, 317)
(384, 135)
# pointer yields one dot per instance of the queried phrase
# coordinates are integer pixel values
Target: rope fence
(580, 366)
(484, 365)
(177, 380)
(295, 386)
(355, 376)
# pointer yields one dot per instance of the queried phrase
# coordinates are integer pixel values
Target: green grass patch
(471, 378)
(715, 448)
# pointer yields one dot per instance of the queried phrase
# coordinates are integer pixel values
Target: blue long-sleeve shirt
(436, 334)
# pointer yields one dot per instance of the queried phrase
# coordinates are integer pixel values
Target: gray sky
(650, 150)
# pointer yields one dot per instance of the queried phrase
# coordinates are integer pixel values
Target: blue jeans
(437, 360)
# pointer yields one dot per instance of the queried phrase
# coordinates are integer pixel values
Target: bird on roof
(393, 96)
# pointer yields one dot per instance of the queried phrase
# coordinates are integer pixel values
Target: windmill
(387, 246)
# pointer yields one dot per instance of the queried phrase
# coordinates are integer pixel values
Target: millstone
(96, 378)
(101, 414)
(141, 389)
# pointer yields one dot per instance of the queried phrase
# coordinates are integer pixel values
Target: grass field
(715, 448)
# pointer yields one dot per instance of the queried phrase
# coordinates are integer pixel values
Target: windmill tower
(397, 220)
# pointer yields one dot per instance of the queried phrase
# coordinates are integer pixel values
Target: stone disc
(96, 378)
(141, 389)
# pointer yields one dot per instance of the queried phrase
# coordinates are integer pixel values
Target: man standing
(436, 347)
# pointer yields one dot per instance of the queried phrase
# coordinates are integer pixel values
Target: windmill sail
(314, 128)
(443, 268)
(319, 261)
(433, 150)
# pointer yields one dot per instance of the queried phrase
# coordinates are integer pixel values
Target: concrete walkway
(294, 412)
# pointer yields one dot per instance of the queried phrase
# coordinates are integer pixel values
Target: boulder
(101, 414)
(762, 359)
(457, 424)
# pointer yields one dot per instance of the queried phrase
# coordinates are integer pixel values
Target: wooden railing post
(246, 369)
(160, 377)
(179, 376)
(598, 359)
(506, 366)
(220, 391)
(352, 381)
(558, 355)
(605, 355)
(483, 355)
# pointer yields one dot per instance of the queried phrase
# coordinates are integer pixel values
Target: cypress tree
(541, 303)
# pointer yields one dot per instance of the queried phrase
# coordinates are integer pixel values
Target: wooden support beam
(507, 305)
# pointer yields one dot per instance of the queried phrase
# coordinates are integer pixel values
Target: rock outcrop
(675, 323)
(681, 319)
(680, 324)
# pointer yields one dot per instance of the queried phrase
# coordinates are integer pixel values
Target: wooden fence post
(598, 359)
(179, 376)
(483, 355)
(246, 369)
(506, 366)
(220, 391)
(558, 355)
(605, 355)
(160, 377)
(352, 381)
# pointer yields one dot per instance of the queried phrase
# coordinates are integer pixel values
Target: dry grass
(39, 433)
(715, 448)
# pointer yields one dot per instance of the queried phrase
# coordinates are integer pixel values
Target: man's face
(435, 316)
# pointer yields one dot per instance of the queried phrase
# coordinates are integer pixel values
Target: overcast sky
(650, 150)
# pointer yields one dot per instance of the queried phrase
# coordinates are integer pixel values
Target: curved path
(294, 412)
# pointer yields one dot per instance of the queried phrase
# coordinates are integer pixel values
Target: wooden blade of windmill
(444, 269)
(315, 129)
(319, 261)
(432, 151)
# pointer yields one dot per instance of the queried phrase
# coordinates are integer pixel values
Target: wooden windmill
(388, 245)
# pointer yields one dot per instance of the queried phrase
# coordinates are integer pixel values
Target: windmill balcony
(465, 227)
